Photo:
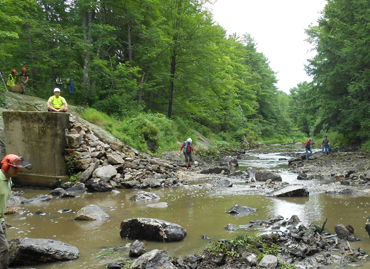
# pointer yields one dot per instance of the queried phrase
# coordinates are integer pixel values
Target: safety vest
(11, 80)
(57, 102)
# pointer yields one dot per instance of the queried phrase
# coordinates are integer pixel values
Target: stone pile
(106, 166)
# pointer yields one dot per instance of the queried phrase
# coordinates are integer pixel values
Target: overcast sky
(278, 29)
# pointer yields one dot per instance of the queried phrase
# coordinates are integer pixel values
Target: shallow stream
(198, 209)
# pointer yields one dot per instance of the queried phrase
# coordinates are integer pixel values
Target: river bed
(196, 207)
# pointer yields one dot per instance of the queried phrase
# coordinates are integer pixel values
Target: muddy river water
(196, 207)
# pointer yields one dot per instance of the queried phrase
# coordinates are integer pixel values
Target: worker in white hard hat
(57, 103)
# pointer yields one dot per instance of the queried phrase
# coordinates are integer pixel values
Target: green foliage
(164, 57)
(74, 177)
(337, 99)
(106, 253)
(314, 229)
(273, 250)
(70, 165)
(149, 129)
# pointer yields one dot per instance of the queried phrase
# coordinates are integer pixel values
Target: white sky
(277, 26)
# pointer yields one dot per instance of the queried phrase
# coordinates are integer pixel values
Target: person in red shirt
(187, 148)
(308, 148)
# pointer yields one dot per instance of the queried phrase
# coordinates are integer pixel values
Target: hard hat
(56, 90)
(24, 69)
(14, 71)
(15, 161)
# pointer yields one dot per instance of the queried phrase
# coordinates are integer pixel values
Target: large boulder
(290, 191)
(345, 232)
(91, 212)
(152, 230)
(98, 185)
(268, 261)
(153, 260)
(30, 251)
(85, 175)
(240, 210)
(266, 175)
(105, 172)
(115, 158)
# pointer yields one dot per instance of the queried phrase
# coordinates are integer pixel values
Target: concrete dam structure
(41, 138)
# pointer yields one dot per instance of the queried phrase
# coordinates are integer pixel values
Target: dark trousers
(4, 249)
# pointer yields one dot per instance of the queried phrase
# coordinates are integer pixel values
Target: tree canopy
(158, 56)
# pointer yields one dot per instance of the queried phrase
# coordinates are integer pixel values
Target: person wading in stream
(9, 168)
(187, 148)
(308, 148)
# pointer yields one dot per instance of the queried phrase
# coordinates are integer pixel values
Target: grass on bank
(162, 134)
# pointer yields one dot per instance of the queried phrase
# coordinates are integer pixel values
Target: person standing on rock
(308, 148)
(9, 168)
(57, 103)
(12, 78)
(23, 79)
(187, 148)
(325, 145)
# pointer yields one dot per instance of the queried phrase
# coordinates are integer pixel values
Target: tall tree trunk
(140, 91)
(87, 51)
(29, 42)
(130, 51)
(173, 70)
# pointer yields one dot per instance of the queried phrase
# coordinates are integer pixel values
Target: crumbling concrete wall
(39, 137)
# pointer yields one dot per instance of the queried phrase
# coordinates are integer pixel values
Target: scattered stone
(268, 261)
(222, 183)
(152, 230)
(216, 170)
(78, 187)
(266, 175)
(98, 185)
(85, 175)
(153, 259)
(294, 220)
(143, 196)
(230, 227)
(105, 172)
(31, 251)
(91, 212)
(38, 199)
(13, 210)
(290, 191)
(229, 161)
(241, 210)
(137, 249)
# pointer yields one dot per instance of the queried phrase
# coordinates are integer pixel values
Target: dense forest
(135, 60)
